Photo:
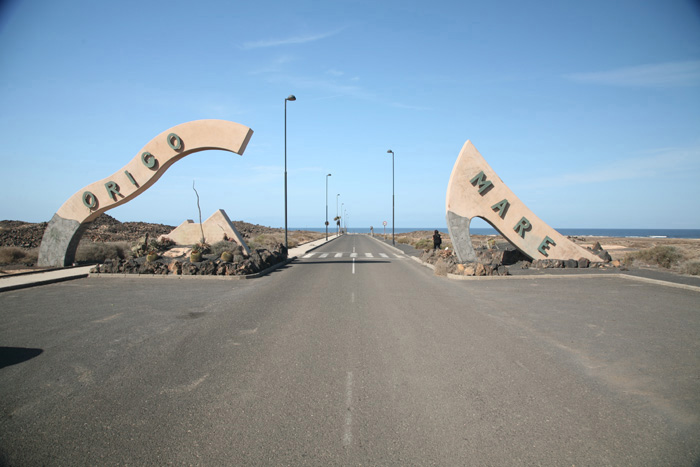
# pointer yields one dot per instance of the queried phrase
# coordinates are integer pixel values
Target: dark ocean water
(648, 233)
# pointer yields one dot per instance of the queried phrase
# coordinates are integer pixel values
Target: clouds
(293, 40)
(681, 73)
(660, 164)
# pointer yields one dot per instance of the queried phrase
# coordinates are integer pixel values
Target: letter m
(481, 183)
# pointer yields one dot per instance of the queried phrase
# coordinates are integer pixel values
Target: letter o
(148, 160)
(177, 145)
(89, 200)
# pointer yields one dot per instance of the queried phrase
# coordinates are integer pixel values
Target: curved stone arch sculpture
(475, 190)
(63, 232)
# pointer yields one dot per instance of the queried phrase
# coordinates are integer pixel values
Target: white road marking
(309, 255)
(324, 255)
(369, 255)
(347, 432)
(383, 255)
(353, 265)
(353, 248)
(338, 255)
(352, 297)
(353, 255)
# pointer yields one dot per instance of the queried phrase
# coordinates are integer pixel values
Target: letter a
(501, 208)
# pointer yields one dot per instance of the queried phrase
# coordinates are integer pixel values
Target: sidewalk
(21, 281)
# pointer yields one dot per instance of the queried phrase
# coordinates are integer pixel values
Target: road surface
(352, 355)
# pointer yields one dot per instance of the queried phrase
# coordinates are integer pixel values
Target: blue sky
(589, 111)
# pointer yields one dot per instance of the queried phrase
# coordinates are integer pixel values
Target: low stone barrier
(210, 265)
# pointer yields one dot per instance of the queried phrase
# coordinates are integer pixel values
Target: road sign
(384, 223)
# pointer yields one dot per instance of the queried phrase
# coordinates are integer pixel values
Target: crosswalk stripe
(352, 255)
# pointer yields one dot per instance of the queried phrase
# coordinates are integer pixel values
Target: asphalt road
(341, 360)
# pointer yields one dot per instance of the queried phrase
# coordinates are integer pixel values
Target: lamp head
(329, 175)
(390, 151)
(291, 97)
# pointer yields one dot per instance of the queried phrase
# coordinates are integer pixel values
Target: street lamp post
(342, 219)
(392, 196)
(327, 205)
(290, 98)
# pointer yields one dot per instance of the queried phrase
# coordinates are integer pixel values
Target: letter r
(522, 227)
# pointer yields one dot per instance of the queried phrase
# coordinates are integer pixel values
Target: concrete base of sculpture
(216, 228)
(474, 190)
(60, 242)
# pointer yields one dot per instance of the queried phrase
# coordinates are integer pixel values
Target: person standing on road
(437, 240)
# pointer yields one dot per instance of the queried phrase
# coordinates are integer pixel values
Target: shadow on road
(14, 355)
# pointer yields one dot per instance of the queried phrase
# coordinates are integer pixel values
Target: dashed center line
(338, 255)
(347, 431)
(369, 255)
(324, 255)
(383, 255)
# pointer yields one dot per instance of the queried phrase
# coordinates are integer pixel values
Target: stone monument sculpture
(217, 227)
(474, 190)
(63, 233)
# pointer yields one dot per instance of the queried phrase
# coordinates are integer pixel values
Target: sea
(573, 232)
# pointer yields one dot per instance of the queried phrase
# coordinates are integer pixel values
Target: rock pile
(21, 234)
(211, 265)
(495, 262)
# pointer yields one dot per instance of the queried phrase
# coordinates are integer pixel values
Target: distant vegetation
(664, 256)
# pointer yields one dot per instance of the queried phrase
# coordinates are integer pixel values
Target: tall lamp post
(290, 98)
(392, 196)
(327, 205)
(336, 212)
(342, 208)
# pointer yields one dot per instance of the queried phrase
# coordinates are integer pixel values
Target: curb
(576, 276)
(55, 280)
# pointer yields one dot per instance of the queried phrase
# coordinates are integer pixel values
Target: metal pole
(290, 98)
(286, 243)
(393, 241)
(327, 206)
